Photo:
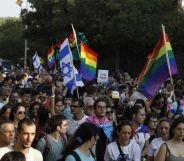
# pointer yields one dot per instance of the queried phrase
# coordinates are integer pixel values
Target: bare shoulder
(161, 153)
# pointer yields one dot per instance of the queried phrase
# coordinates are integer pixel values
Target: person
(25, 135)
(26, 97)
(42, 128)
(137, 115)
(5, 112)
(33, 111)
(111, 115)
(14, 98)
(124, 94)
(163, 130)
(57, 105)
(13, 156)
(78, 116)
(51, 146)
(7, 133)
(44, 98)
(82, 143)
(17, 113)
(176, 107)
(151, 122)
(67, 107)
(172, 150)
(88, 106)
(104, 126)
(123, 148)
(158, 106)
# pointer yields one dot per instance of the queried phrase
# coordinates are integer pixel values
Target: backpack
(74, 154)
(39, 134)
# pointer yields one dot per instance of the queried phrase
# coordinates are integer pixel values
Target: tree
(127, 30)
(11, 39)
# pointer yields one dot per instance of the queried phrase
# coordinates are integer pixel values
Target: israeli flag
(71, 77)
(36, 62)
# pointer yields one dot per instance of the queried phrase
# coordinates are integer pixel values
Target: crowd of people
(40, 120)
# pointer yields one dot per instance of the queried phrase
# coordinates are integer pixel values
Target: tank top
(171, 157)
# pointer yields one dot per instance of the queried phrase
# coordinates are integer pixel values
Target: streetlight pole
(25, 42)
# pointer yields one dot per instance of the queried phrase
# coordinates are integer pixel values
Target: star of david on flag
(66, 69)
(71, 77)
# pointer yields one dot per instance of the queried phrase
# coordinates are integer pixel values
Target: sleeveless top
(171, 157)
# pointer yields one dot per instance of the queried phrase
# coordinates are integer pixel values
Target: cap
(115, 94)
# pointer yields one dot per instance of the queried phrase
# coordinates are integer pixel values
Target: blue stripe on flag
(63, 52)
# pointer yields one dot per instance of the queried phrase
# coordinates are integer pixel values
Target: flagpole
(168, 63)
(75, 36)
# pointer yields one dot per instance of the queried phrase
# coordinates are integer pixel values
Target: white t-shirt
(32, 155)
(141, 138)
(131, 152)
(154, 146)
(74, 124)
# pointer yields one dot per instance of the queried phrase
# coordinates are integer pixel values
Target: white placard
(102, 76)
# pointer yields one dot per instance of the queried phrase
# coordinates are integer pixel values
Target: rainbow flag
(88, 62)
(51, 57)
(156, 71)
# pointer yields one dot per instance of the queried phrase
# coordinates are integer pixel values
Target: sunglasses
(160, 102)
(41, 97)
(21, 112)
(74, 106)
(109, 112)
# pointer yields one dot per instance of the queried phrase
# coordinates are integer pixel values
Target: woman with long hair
(33, 111)
(159, 106)
(172, 150)
(82, 143)
(42, 128)
(123, 148)
(17, 113)
(163, 132)
(5, 112)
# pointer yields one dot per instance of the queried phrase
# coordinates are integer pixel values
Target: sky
(9, 8)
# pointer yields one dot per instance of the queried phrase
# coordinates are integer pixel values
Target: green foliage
(11, 39)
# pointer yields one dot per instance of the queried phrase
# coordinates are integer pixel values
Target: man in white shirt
(25, 135)
(77, 108)
(7, 133)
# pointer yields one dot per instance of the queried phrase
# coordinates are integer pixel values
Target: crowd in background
(100, 122)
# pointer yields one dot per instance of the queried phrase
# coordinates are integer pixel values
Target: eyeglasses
(21, 112)
(160, 102)
(74, 106)
(154, 121)
(109, 112)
